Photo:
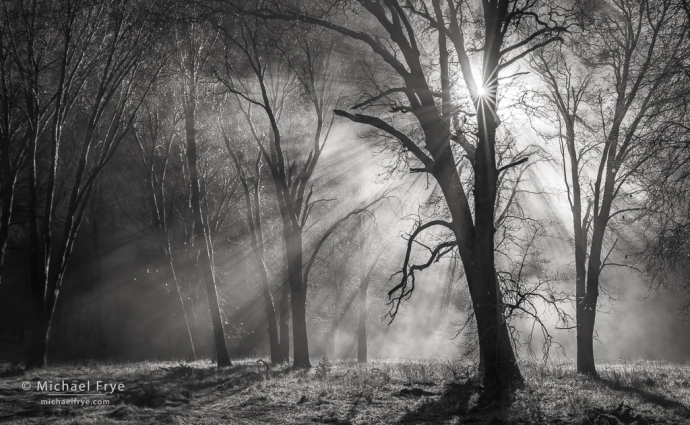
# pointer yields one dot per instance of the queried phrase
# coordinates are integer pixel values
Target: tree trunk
(36, 355)
(284, 325)
(335, 321)
(364, 278)
(192, 351)
(298, 299)
(6, 212)
(274, 343)
(500, 370)
(362, 326)
(588, 308)
(44, 296)
(205, 250)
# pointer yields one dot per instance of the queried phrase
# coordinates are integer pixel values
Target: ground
(380, 392)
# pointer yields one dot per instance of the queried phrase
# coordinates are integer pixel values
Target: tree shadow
(650, 397)
(454, 404)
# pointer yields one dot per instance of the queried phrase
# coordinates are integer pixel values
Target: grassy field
(405, 391)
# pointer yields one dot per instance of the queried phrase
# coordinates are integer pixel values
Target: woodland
(456, 210)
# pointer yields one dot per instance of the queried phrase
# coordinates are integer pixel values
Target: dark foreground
(407, 391)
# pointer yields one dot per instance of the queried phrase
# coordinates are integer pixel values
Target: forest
(345, 211)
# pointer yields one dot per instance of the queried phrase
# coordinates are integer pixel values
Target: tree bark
(298, 300)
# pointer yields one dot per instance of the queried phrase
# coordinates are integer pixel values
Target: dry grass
(342, 392)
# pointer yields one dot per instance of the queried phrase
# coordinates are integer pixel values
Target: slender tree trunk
(362, 325)
(191, 354)
(335, 321)
(42, 314)
(7, 204)
(284, 323)
(274, 343)
(364, 278)
(205, 250)
(253, 219)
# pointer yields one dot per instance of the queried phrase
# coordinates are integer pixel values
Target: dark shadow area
(454, 402)
(650, 397)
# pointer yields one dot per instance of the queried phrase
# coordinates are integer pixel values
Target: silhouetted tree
(395, 32)
(82, 70)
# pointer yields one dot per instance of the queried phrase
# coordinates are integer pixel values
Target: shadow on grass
(679, 408)
(453, 403)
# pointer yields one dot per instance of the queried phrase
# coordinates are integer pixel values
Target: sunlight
(480, 91)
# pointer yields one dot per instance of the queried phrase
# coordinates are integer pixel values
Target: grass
(344, 392)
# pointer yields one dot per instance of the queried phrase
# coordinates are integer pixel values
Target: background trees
(82, 81)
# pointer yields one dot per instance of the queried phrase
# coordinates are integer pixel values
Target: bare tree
(154, 174)
(275, 77)
(94, 68)
(194, 48)
(511, 29)
(251, 186)
(14, 131)
(607, 90)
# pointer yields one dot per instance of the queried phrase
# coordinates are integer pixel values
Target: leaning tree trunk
(205, 250)
(191, 354)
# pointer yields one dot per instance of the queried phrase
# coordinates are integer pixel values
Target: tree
(275, 75)
(252, 199)
(154, 177)
(93, 80)
(14, 131)
(365, 274)
(511, 29)
(194, 48)
(607, 90)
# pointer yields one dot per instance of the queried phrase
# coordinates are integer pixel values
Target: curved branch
(382, 125)
(408, 271)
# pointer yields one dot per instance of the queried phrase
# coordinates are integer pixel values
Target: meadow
(415, 391)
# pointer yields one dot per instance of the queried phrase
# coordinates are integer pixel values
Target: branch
(330, 230)
(382, 125)
(513, 164)
(404, 294)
